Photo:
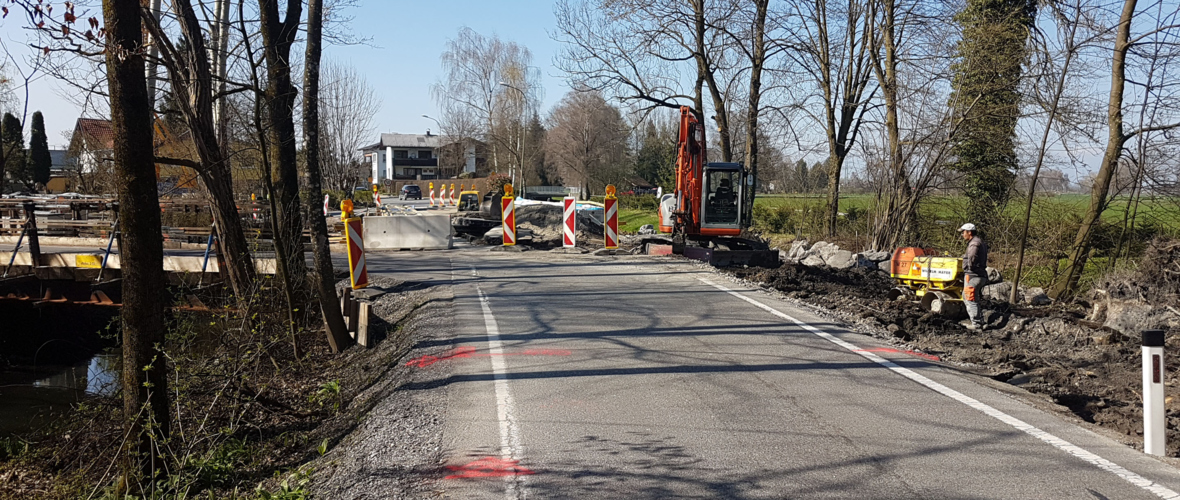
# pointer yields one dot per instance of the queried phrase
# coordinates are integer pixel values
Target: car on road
(410, 191)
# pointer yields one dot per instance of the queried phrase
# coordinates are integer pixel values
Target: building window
(400, 154)
(424, 154)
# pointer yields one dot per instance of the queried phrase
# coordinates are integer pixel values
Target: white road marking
(1093, 459)
(510, 448)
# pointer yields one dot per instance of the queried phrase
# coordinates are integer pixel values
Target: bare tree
(831, 44)
(325, 281)
(475, 67)
(587, 141)
(1117, 136)
(347, 105)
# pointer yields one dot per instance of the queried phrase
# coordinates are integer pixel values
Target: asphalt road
(631, 377)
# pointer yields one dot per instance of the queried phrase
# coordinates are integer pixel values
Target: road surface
(633, 377)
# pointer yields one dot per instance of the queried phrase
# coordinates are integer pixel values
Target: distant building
(92, 143)
(87, 162)
(417, 157)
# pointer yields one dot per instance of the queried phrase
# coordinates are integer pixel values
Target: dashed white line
(1077, 451)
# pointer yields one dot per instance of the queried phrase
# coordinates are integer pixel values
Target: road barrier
(326, 197)
(432, 194)
(425, 231)
(377, 197)
(453, 194)
(508, 217)
(569, 224)
(354, 228)
(1154, 421)
(611, 205)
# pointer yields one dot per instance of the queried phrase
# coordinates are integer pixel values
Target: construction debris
(1084, 357)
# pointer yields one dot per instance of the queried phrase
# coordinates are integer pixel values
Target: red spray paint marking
(469, 352)
(488, 467)
(931, 357)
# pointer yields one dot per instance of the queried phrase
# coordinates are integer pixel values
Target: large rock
(876, 255)
(840, 259)
(647, 229)
(885, 266)
(813, 261)
(998, 292)
(863, 261)
(823, 249)
(798, 251)
(1036, 297)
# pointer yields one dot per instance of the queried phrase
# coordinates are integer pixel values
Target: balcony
(415, 162)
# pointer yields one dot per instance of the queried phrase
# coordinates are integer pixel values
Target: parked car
(410, 191)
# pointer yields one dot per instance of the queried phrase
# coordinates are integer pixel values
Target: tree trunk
(706, 72)
(191, 75)
(144, 376)
(338, 337)
(278, 35)
(895, 221)
(757, 59)
(1115, 140)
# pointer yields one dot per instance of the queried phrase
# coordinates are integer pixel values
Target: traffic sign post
(508, 216)
(569, 224)
(353, 240)
(611, 204)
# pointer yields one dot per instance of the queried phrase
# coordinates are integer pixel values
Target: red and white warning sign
(569, 223)
(611, 204)
(326, 197)
(508, 216)
(354, 228)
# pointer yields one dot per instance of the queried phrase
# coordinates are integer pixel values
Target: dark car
(410, 191)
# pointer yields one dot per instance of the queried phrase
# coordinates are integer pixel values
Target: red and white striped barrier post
(377, 197)
(508, 216)
(611, 204)
(326, 198)
(453, 194)
(432, 194)
(354, 241)
(569, 226)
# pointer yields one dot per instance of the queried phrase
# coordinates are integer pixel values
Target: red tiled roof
(96, 131)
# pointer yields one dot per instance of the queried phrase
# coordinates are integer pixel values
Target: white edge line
(1061, 444)
(510, 448)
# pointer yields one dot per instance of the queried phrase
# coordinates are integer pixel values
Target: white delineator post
(1153, 392)
(508, 216)
(451, 194)
(569, 226)
(432, 194)
(325, 205)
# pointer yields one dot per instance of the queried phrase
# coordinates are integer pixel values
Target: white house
(415, 156)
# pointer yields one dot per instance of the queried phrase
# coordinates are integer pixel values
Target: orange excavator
(710, 206)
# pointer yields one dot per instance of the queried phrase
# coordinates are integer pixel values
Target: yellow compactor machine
(936, 281)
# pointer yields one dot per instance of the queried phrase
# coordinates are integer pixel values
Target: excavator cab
(721, 205)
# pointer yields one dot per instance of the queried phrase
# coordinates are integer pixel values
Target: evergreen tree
(986, 80)
(12, 141)
(39, 160)
(655, 158)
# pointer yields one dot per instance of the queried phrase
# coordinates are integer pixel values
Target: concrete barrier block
(398, 232)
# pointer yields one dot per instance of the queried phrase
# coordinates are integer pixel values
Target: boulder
(813, 261)
(647, 229)
(823, 249)
(863, 261)
(876, 255)
(1036, 297)
(840, 259)
(997, 292)
(798, 251)
(885, 267)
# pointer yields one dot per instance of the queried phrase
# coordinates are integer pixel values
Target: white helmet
(967, 227)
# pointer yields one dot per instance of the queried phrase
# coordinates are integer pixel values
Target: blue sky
(408, 37)
(402, 61)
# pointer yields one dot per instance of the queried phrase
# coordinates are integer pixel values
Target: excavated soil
(1093, 371)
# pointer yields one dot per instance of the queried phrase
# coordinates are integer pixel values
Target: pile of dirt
(1057, 350)
(544, 220)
